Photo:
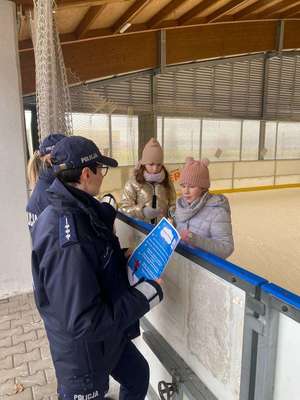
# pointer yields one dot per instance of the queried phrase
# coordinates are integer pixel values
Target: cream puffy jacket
(136, 196)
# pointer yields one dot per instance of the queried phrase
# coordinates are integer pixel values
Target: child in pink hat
(203, 219)
(149, 193)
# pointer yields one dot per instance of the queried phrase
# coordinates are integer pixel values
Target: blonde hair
(34, 167)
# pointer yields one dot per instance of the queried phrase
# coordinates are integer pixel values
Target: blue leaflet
(150, 258)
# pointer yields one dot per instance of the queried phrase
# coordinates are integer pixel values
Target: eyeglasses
(104, 169)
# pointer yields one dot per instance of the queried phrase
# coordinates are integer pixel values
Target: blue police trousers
(131, 371)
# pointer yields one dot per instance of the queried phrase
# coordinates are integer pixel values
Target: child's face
(153, 168)
(191, 193)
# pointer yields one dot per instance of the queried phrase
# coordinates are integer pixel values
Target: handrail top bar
(282, 294)
(227, 266)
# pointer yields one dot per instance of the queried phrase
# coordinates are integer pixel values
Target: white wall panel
(288, 360)
(201, 317)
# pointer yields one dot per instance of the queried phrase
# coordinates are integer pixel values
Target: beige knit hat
(152, 153)
(195, 173)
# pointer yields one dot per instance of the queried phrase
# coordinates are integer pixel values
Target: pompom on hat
(152, 153)
(195, 173)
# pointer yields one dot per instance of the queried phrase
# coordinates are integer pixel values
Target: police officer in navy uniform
(80, 282)
(41, 176)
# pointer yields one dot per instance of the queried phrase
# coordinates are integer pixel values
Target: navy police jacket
(80, 284)
(39, 199)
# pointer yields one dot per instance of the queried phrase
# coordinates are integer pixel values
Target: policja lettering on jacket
(89, 396)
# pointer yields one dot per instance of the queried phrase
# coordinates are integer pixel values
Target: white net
(52, 92)
(86, 99)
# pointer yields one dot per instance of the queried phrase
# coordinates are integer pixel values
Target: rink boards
(221, 332)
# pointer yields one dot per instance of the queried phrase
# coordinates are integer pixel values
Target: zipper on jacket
(154, 203)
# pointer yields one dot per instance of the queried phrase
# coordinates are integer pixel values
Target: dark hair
(139, 176)
(73, 175)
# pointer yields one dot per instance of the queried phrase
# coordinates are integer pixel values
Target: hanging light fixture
(125, 27)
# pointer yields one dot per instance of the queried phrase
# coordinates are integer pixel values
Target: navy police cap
(77, 152)
(49, 142)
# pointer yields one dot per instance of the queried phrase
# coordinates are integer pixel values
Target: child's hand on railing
(186, 235)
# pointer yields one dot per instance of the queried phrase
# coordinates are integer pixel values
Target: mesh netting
(85, 99)
(52, 92)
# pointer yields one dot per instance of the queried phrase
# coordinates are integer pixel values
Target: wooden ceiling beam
(98, 33)
(27, 45)
(164, 13)
(259, 5)
(137, 51)
(93, 59)
(288, 10)
(276, 17)
(137, 28)
(89, 18)
(129, 15)
(292, 12)
(66, 38)
(189, 15)
(219, 40)
(72, 3)
(222, 11)
(291, 34)
(283, 7)
(86, 3)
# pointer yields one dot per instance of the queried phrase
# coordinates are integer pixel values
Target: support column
(148, 122)
(262, 140)
(262, 129)
(147, 130)
(15, 274)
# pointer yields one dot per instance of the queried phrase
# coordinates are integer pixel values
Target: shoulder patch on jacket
(67, 230)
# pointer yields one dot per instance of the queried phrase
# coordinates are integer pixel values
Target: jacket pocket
(70, 359)
(104, 355)
(95, 354)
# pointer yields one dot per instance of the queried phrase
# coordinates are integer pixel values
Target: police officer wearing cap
(80, 282)
(41, 176)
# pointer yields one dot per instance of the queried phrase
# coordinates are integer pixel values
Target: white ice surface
(266, 227)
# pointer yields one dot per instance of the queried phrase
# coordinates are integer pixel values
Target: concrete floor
(26, 369)
(266, 227)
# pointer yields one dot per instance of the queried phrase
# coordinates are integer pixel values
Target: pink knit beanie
(195, 173)
(152, 153)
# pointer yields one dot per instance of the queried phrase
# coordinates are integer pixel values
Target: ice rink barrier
(221, 332)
